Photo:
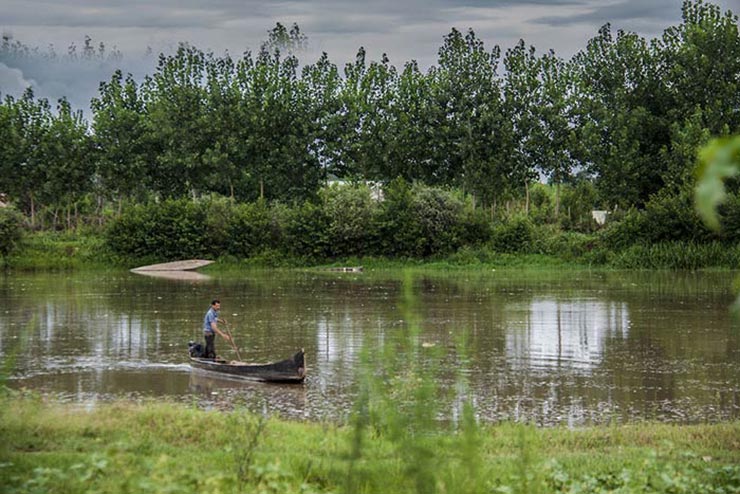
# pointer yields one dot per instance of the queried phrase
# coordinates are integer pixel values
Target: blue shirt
(211, 316)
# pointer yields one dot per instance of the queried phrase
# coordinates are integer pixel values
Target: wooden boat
(184, 265)
(175, 275)
(292, 370)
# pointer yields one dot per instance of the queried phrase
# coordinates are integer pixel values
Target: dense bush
(172, 229)
(412, 221)
(673, 217)
(396, 226)
(572, 246)
(668, 217)
(476, 227)
(216, 213)
(352, 216)
(305, 231)
(625, 231)
(11, 229)
(436, 219)
(515, 235)
(418, 221)
(250, 229)
(576, 204)
(730, 219)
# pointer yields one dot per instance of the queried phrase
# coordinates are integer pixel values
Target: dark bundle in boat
(291, 370)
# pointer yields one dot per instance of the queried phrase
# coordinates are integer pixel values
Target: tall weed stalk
(248, 431)
(400, 403)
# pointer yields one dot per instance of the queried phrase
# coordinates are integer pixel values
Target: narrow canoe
(292, 370)
(184, 265)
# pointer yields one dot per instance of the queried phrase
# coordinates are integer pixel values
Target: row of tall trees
(625, 112)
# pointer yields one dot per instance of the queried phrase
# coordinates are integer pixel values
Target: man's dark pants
(210, 345)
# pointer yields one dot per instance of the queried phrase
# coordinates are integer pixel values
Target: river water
(560, 347)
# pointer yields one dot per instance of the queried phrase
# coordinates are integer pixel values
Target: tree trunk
(33, 211)
(262, 189)
(100, 210)
(526, 200)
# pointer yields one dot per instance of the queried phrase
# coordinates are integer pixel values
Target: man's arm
(215, 329)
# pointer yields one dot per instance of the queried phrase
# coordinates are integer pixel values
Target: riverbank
(70, 251)
(163, 447)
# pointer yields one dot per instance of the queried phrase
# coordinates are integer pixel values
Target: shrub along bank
(412, 223)
(421, 223)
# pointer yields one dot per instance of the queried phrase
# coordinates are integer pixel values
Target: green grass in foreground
(161, 447)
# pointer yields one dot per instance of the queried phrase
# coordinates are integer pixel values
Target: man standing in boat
(210, 328)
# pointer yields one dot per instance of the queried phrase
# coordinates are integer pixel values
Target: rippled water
(555, 348)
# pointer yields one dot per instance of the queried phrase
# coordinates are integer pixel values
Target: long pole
(231, 339)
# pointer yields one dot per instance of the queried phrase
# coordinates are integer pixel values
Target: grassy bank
(50, 251)
(54, 251)
(160, 447)
(58, 251)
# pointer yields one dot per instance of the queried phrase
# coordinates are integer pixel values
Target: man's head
(216, 303)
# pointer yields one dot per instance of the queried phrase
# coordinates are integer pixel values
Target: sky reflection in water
(553, 348)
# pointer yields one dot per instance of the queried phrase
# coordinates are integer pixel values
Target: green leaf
(718, 161)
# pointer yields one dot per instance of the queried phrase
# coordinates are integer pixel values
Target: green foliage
(729, 214)
(620, 234)
(719, 160)
(398, 235)
(672, 217)
(419, 221)
(541, 203)
(572, 246)
(450, 143)
(668, 217)
(412, 222)
(351, 213)
(161, 447)
(678, 255)
(576, 204)
(515, 235)
(398, 403)
(249, 229)
(621, 116)
(61, 251)
(45, 157)
(11, 231)
(657, 474)
(167, 230)
(435, 220)
(628, 111)
(347, 222)
(306, 229)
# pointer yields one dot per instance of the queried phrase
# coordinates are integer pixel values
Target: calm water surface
(571, 348)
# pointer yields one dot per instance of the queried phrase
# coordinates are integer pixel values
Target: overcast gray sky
(404, 29)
